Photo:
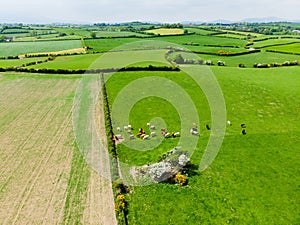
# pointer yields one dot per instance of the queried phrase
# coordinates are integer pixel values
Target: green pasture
(231, 35)
(186, 41)
(17, 48)
(255, 177)
(108, 34)
(107, 60)
(283, 41)
(200, 31)
(5, 63)
(248, 60)
(242, 33)
(202, 40)
(103, 45)
(288, 48)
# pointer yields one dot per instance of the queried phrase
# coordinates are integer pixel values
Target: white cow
(152, 127)
(146, 137)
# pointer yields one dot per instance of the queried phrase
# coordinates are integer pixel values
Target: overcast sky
(91, 11)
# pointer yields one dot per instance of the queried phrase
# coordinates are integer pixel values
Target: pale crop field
(166, 31)
(44, 179)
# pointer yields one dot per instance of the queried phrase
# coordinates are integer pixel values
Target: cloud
(154, 10)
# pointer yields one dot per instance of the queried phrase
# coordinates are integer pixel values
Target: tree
(93, 34)
(179, 59)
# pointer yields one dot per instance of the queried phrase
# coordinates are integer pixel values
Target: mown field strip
(36, 180)
(100, 199)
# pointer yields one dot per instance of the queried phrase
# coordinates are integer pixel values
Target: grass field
(226, 44)
(289, 48)
(109, 60)
(266, 43)
(248, 60)
(118, 34)
(166, 31)
(18, 48)
(19, 62)
(254, 179)
(201, 31)
(104, 45)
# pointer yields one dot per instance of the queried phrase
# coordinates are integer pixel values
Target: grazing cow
(207, 127)
(167, 135)
(141, 130)
(194, 131)
(146, 137)
(229, 122)
(119, 129)
(131, 137)
(116, 137)
(243, 131)
(177, 134)
(163, 129)
(153, 134)
(129, 126)
(148, 124)
(125, 127)
(119, 136)
(152, 127)
(243, 125)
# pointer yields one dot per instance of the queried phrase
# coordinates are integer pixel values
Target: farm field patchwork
(54, 160)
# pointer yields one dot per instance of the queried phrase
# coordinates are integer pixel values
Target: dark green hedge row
(289, 53)
(287, 63)
(90, 71)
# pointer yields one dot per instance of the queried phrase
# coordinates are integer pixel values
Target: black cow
(244, 132)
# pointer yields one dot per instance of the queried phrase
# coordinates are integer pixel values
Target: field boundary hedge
(89, 71)
(121, 205)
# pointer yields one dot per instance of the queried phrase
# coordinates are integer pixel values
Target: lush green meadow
(248, 60)
(289, 48)
(18, 48)
(200, 31)
(254, 179)
(5, 63)
(107, 60)
(271, 42)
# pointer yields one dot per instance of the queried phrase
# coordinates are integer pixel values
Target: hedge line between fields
(89, 71)
(121, 205)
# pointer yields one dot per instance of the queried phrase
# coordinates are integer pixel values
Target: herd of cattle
(142, 133)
